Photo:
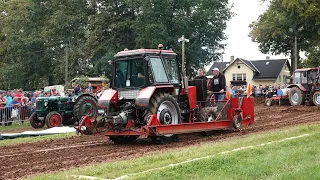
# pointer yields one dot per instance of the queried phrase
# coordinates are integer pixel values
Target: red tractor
(149, 98)
(305, 87)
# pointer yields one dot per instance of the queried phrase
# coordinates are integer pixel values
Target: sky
(239, 44)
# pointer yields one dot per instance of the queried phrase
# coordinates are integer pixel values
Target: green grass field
(15, 126)
(291, 159)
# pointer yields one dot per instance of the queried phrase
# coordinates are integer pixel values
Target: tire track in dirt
(68, 155)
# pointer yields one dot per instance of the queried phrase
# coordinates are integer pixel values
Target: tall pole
(66, 67)
(183, 69)
(184, 78)
(296, 49)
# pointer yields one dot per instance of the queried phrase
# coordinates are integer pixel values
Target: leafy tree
(271, 30)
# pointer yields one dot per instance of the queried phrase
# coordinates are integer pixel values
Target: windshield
(164, 71)
(129, 73)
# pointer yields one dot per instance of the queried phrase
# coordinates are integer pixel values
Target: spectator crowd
(266, 91)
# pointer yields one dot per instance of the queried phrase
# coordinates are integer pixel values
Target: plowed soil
(55, 155)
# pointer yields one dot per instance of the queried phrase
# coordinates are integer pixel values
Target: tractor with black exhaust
(150, 98)
(305, 87)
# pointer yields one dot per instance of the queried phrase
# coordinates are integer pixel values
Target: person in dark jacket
(203, 79)
(218, 85)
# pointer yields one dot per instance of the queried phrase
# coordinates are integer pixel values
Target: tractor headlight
(46, 103)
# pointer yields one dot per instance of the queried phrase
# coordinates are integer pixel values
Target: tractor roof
(143, 51)
(306, 69)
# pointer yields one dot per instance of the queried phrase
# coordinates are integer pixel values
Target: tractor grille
(40, 105)
(133, 94)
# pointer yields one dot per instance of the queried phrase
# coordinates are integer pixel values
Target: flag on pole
(249, 90)
(228, 91)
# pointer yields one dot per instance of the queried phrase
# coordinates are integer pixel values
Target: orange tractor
(148, 98)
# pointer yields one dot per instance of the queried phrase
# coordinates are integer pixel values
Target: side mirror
(128, 83)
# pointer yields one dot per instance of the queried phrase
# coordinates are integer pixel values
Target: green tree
(271, 30)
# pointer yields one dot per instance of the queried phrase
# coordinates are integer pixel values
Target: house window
(239, 77)
(280, 78)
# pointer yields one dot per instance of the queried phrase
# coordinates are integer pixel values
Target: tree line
(36, 36)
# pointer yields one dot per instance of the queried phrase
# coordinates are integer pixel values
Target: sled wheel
(53, 119)
(269, 102)
(237, 121)
(35, 121)
(207, 114)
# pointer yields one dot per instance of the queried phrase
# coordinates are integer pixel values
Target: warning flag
(249, 90)
(228, 92)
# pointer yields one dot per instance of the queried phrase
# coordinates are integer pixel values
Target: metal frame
(239, 106)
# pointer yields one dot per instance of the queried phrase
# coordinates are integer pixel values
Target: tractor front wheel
(35, 121)
(53, 119)
(296, 96)
(316, 98)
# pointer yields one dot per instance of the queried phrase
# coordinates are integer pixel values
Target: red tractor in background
(305, 87)
(149, 98)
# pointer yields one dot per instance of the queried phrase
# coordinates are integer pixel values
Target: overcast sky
(239, 44)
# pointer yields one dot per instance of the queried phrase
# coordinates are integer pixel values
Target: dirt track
(55, 155)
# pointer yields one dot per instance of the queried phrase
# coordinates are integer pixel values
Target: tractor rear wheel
(35, 121)
(316, 98)
(85, 105)
(123, 139)
(296, 96)
(166, 108)
(207, 114)
(53, 119)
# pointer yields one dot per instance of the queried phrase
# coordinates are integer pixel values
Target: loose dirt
(55, 155)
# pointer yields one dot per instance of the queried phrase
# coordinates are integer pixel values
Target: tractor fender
(297, 85)
(108, 96)
(142, 101)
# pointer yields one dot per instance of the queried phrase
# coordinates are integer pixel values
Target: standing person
(3, 102)
(200, 76)
(218, 85)
(7, 109)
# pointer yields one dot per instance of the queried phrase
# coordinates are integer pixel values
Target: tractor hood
(53, 98)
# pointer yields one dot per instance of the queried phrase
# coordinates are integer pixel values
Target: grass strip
(272, 161)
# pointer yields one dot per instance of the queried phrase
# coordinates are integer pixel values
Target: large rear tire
(297, 97)
(166, 108)
(85, 105)
(35, 122)
(316, 98)
(53, 119)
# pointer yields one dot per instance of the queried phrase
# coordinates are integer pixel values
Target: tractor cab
(134, 70)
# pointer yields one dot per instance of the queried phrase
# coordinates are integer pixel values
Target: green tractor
(56, 111)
